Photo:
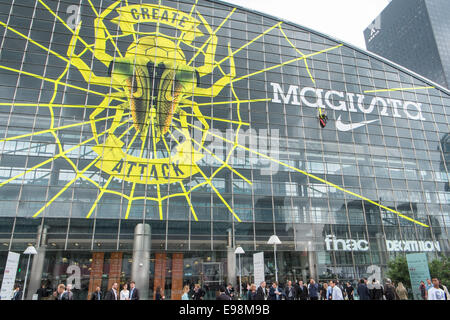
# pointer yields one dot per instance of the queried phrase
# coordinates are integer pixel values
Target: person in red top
(322, 118)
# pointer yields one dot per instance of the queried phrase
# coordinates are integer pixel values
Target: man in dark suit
(363, 291)
(223, 295)
(17, 295)
(275, 292)
(97, 294)
(290, 292)
(112, 294)
(261, 292)
(134, 292)
(302, 291)
(199, 293)
(229, 291)
(42, 292)
(61, 293)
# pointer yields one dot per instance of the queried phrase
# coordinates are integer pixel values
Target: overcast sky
(342, 19)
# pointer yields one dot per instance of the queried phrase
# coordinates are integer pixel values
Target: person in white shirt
(436, 293)
(336, 292)
(125, 294)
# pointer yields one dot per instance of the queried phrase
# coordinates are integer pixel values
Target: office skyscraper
(414, 34)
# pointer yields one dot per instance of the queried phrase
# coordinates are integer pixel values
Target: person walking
(435, 293)
(323, 292)
(313, 290)
(339, 285)
(223, 295)
(125, 293)
(363, 291)
(329, 290)
(375, 290)
(61, 293)
(428, 285)
(69, 292)
(134, 292)
(389, 290)
(42, 292)
(112, 294)
(274, 292)
(229, 291)
(158, 294)
(401, 292)
(262, 292)
(289, 291)
(445, 290)
(349, 291)
(251, 293)
(97, 294)
(423, 290)
(198, 292)
(185, 295)
(302, 291)
(336, 292)
(17, 294)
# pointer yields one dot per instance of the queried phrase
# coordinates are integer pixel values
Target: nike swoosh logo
(351, 126)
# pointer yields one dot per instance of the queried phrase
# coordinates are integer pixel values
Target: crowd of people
(332, 290)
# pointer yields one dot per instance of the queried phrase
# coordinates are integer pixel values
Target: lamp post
(275, 240)
(239, 251)
(28, 251)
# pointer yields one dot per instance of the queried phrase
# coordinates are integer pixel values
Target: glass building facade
(414, 34)
(193, 126)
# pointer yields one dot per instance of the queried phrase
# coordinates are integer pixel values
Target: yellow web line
(209, 181)
(248, 43)
(78, 175)
(63, 84)
(34, 42)
(314, 177)
(288, 62)
(104, 189)
(224, 163)
(185, 193)
(397, 89)
(65, 24)
(105, 29)
(210, 37)
(37, 105)
(181, 35)
(130, 200)
(226, 102)
(53, 158)
(299, 52)
(57, 128)
(218, 119)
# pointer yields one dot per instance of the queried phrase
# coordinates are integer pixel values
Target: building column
(141, 259)
(231, 261)
(38, 263)
(312, 262)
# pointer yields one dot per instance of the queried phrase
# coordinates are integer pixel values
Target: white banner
(9, 277)
(258, 267)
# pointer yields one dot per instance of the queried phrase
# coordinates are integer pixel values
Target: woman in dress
(185, 295)
(125, 294)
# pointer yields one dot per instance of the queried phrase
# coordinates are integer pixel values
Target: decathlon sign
(333, 244)
(346, 101)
